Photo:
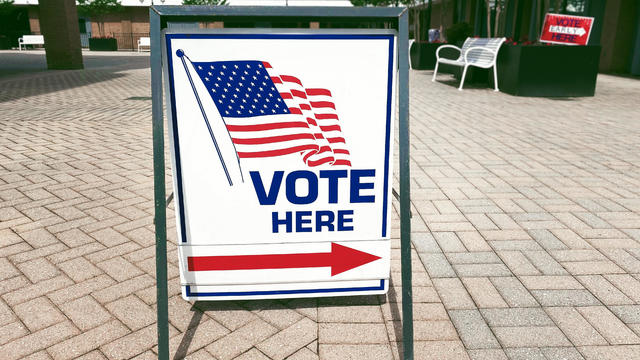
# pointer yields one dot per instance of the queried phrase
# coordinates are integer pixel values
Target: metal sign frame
(158, 17)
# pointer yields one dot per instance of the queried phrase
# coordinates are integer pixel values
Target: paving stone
(608, 325)
(530, 353)
(241, 340)
(437, 265)
(487, 354)
(473, 331)
(610, 352)
(38, 313)
(85, 312)
(604, 290)
(513, 292)
(551, 282)
(132, 312)
(350, 314)
(79, 269)
(88, 340)
(518, 263)
(289, 340)
(483, 293)
(355, 352)
(38, 269)
(336, 333)
(516, 317)
(565, 297)
(38, 340)
(453, 294)
(575, 326)
(562, 353)
(629, 314)
(445, 350)
(530, 336)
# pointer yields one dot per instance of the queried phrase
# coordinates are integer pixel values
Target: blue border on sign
(176, 142)
(285, 292)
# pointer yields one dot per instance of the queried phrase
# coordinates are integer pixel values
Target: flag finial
(180, 53)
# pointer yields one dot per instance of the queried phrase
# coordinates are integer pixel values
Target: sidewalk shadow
(26, 75)
(200, 307)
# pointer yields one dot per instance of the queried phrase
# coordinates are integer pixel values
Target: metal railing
(128, 41)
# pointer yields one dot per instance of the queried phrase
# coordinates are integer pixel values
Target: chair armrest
(479, 48)
(445, 47)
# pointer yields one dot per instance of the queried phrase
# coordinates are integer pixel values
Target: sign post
(281, 148)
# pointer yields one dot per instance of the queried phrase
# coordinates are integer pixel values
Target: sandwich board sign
(566, 29)
(281, 146)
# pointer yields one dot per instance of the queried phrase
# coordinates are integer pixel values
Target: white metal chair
(479, 52)
(144, 41)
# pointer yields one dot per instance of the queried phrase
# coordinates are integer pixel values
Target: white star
(217, 85)
(255, 100)
(279, 100)
(213, 90)
(252, 83)
(267, 100)
(223, 96)
(220, 101)
(253, 106)
(240, 84)
(259, 65)
(270, 95)
(235, 66)
(285, 110)
(272, 110)
(259, 95)
(264, 83)
(232, 101)
(250, 112)
(261, 89)
(209, 73)
(246, 95)
(225, 90)
(248, 66)
(228, 84)
(277, 106)
(255, 78)
(264, 106)
(226, 112)
(272, 88)
(237, 89)
(231, 78)
(199, 67)
(235, 96)
(242, 77)
(246, 72)
(233, 72)
(218, 78)
(238, 111)
(229, 106)
(241, 107)
(206, 78)
(266, 77)
(224, 67)
(262, 111)
(221, 72)
(211, 66)
(244, 101)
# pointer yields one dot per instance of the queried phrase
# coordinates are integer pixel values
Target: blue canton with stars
(241, 88)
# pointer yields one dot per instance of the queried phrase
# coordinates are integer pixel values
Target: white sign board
(281, 152)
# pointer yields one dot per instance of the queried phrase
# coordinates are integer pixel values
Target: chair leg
(464, 74)
(435, 72)
(495, 77)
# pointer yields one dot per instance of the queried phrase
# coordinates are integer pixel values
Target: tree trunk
(488, 2)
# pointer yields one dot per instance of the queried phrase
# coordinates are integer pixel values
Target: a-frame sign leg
(159, 186)
(405, 183)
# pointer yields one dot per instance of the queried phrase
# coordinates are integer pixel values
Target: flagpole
(224, 122)
(181, 55)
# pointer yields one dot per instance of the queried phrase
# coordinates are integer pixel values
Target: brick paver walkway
(526, 228)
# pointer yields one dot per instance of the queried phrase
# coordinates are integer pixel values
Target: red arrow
(340, 259)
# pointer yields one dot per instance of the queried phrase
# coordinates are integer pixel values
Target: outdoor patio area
(526, 228)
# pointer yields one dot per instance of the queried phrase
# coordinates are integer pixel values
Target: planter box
(548, 71)
(98, 44)
(423, 55)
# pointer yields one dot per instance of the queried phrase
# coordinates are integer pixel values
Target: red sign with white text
(566, 29)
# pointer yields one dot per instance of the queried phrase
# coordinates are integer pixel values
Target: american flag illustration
(268, 114)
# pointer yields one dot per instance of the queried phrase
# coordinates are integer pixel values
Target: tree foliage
(6, 7)
(204, 2)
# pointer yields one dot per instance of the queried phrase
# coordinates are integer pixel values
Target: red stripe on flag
(336, 140)
(330, 128)
(276, 80)
(342, 162)
(279, 152)
(266, 65)
(272, 139)
(298, 93)
(313, 92)
(321, 161)
(286, 95)
(270, 126)
(341, 151)
(296, 111)
(305, 107)
(326, 116)
(289, 78)
(323, 104)
(312, 121)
